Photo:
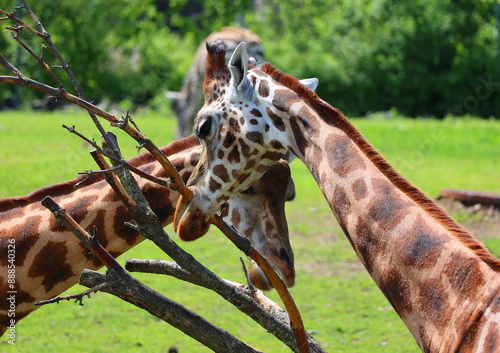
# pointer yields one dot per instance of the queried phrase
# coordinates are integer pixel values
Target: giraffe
(189, 100)
(442, 282)
(49, 259)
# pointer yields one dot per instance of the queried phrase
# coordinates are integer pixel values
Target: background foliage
(422, 57)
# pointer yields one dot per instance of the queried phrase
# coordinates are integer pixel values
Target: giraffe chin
(189, 221)
(259, 280)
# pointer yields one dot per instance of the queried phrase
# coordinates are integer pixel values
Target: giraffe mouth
(190, 221)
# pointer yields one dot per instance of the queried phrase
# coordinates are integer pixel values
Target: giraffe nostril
(283, 255)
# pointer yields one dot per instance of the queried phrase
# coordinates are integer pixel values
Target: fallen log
(470, 198)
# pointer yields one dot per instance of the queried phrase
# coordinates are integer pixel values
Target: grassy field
(339, 302)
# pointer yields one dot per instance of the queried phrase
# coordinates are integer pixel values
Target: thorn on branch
(141, 146)
(133, 122)
(245, 271)
(132, 225)
(90, 172)
(17, 29)
(64, 66)
(72, 130)
(43, 51)
(122, 123)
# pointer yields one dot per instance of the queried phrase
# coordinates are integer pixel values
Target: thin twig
(46, 36)
(12, 17)
(122, 163)
(249, 283)
(78, 297)
(13, 69)
(39, 59)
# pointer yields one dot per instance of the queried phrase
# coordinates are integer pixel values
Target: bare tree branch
(131, 290)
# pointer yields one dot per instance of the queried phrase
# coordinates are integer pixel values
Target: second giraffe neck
(429, 269)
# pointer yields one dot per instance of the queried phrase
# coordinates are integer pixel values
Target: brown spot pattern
(276, 119)
(50, 263)
(234, 126)
(234, 155)
(343, 156)
(359, 189)
(111, 196)
(255, 136)
(256, 112)
(23, 297)
(341, 205)
(432, 303)
(213, 185)
(79, 208)
(367, 245)
(396, 288)
(159, 200)
(423, 247)
(25, 239)
(284, 99)
(298, 135)
(221, 171)
(195, 157)
(245, 149)
(386, 207)
(229, 139)
(492, 343)
(276, 144)
(464, 275)
(263, 89)
(274, 156)
(120, 217)
(236, 218)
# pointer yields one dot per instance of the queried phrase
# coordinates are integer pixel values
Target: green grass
(339, 302)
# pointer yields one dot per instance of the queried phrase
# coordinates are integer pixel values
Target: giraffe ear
(238, 65)
(312, 83)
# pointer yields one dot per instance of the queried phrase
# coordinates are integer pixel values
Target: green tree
(421, 57)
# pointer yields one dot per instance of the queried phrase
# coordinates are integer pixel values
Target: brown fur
(69, 186)
(335, 117)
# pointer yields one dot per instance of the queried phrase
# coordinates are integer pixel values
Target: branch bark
(131, 290)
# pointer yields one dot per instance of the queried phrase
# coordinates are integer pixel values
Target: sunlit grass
(339, 302)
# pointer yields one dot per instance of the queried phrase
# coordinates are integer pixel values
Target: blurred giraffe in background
(189, 100)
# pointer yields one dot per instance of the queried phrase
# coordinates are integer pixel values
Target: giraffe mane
(69, 186)
(335, 117)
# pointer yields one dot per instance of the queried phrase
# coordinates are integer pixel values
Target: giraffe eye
(204, 128)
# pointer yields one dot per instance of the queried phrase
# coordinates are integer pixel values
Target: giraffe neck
(48, 258)
(434, 273)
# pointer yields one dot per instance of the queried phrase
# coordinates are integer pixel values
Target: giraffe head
(259, 214)
(241, 137)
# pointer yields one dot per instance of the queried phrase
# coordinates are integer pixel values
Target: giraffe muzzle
(190, 222)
